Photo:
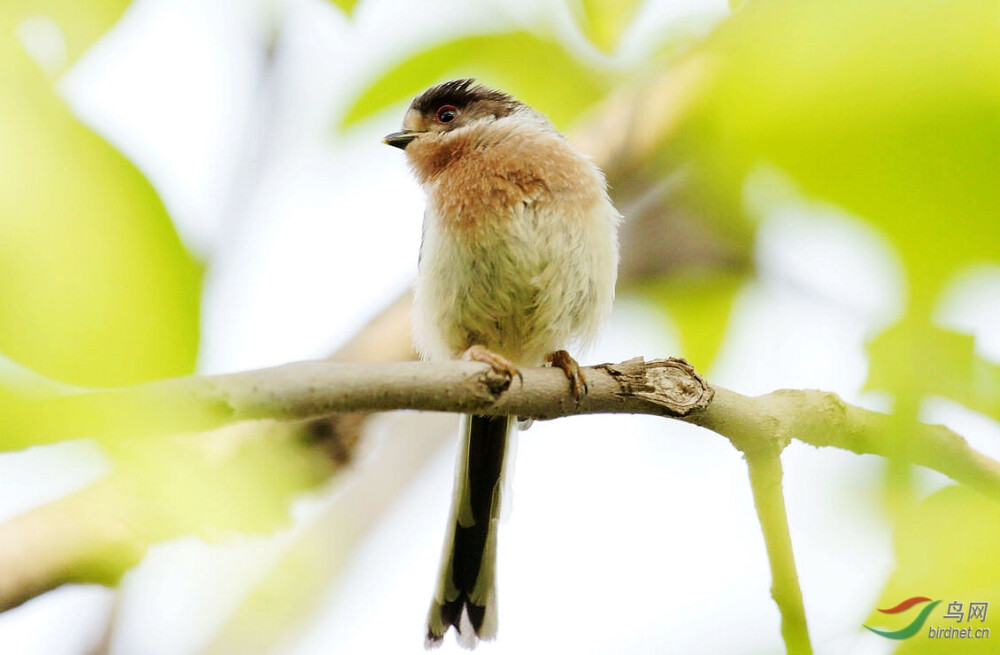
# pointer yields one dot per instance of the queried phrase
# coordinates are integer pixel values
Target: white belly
(521, 285)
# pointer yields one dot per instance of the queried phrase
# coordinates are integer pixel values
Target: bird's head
(446, 108)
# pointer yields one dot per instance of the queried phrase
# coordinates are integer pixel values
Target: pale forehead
(413, 120)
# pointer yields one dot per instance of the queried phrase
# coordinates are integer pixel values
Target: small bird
(518, 261)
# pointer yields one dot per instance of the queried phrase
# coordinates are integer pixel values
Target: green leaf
(95, 286)
(604, 21)
(536, 69)
(347, 6)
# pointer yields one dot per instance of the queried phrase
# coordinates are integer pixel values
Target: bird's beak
(400, 139)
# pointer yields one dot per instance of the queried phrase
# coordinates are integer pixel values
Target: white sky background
(628, 534)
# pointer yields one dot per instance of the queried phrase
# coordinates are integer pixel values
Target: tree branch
(308, 389)
(669, 387)
(821, 418)
(759, 426)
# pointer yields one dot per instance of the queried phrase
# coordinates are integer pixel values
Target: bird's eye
(446, 114)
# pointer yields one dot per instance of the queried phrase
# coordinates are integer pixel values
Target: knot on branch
(671, 384)
(495, 383)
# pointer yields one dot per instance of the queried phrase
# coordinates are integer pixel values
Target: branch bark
(668, 387)
(758, 426)
(308, 389)
(823, 419)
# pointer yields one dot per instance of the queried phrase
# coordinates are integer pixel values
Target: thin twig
(768, 499)
(821, 418)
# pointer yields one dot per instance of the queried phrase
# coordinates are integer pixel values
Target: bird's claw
(498, 363)
(577, 382)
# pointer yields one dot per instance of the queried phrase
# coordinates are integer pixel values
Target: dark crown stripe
(460, 93)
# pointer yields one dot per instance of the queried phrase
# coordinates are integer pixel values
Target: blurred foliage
(936, 558)
(239, 478)
(604, 21)
(700, 305)
(947, 366)
(289, 594)
(889, 109)
(696, 272)
(892, 111)
(347, 6)
(21, 383)
(900, 126)
(509, 60)
(95, 286)
(80, 23)
(96, 289)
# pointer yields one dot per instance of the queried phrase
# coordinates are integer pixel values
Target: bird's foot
(498, 363)
(577, 382)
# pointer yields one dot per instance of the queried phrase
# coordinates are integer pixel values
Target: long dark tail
(465, 596)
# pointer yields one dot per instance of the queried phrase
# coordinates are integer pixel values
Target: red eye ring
(446, 113)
